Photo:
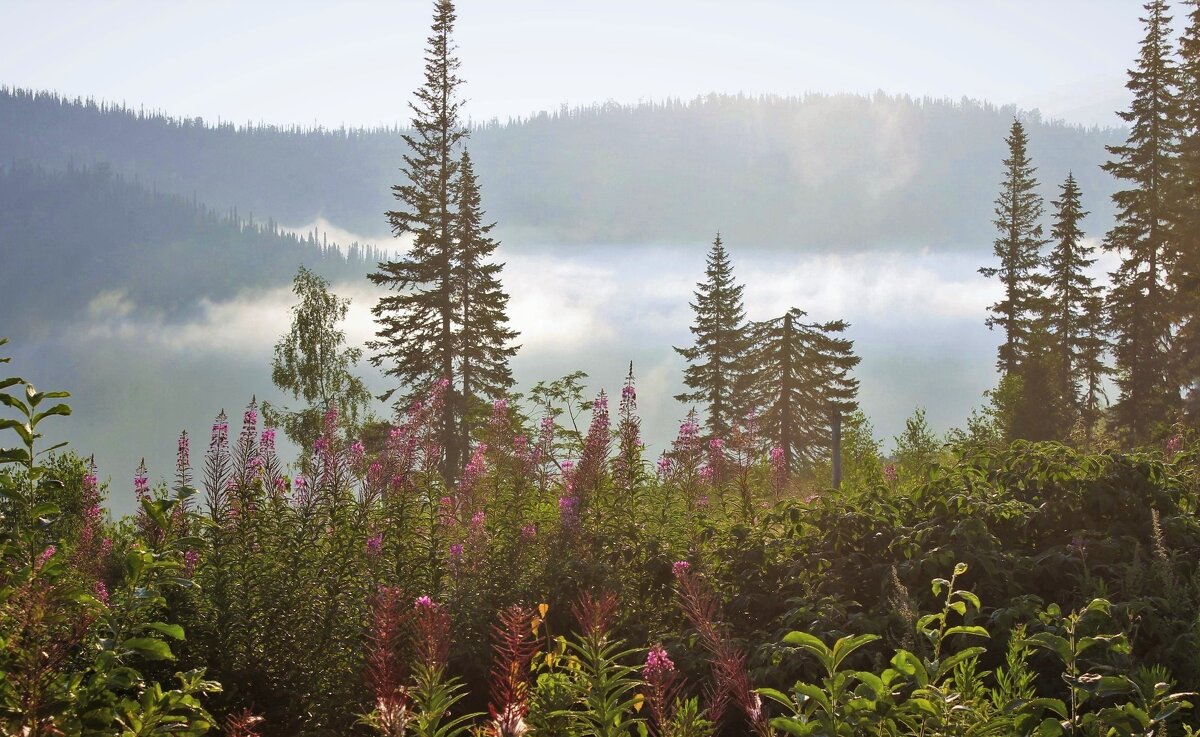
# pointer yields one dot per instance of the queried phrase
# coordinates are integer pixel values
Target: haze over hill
(157, 312)
(841, 172)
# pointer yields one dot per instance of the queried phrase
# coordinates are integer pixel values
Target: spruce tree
(1141, 299)
(714, 362)
(485, 342)
(1018, 248)
(1186, 228)
(1075, 312)
(416, 339)
(801, 375)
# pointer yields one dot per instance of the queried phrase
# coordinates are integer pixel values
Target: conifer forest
(401, 533)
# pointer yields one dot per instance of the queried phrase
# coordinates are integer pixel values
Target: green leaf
(46, 510)
(149, 648)
(173, 631)
(967, 630)
(794, 727)
(61, 410)
(846, 645)
(776, 696)
(1052, 642)
(814, 693)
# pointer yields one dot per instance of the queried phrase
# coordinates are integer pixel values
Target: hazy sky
(357, 61)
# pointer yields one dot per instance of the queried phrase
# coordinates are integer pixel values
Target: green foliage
(917, 447)
(1141, 298)
(313, 364)
(715, 370)
(73, 647)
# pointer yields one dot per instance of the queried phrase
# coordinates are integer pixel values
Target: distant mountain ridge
(79, 234)
(825, 172)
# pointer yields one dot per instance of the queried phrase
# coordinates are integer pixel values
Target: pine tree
(416, 338)
(801, 375)
(1018, 247)
(1186, 232)
(1141, 299)
(485, 342)
(1075, 314)
(714, 362)
(1092, 369)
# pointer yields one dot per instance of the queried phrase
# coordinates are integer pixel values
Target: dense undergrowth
(567, 586)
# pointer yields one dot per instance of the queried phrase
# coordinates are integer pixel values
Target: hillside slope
(818, 172)
(85, 234)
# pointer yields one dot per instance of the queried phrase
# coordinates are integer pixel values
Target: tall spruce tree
(1141, 299)
(715, 361)
(1018, 248)
(485, 342)
(1186, 275)
(801, 375)
(1075, 308)
(416, 339)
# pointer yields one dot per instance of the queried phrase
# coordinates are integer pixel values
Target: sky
(355, 62)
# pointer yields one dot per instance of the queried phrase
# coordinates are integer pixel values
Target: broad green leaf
(173, 631)
(148, 648)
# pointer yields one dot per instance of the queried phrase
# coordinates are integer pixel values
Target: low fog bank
(917, 322)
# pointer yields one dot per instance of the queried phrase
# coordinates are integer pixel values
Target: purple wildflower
(658, 664)
(375, 545)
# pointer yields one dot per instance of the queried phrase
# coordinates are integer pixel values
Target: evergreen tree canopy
(715, 361)
(1076, 308)
(484, 338)
(801, 376)
(1141, 299)
(1018, 246)
(445, 318)
(1186, 275)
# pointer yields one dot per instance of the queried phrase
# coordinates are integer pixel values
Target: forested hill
(72, 236)
(815, 172)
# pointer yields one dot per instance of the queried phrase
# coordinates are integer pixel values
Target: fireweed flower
(471, 475)
(183, 454)
(357, 452)
(267, 442)
(249, 426)
(1174, 444)
(658, 664)
(779, 469)
(220, 432)
(190, 559)
(424, 602)
(100, 591)
(664, 466)
(374, 545)
(707, 474)
(46, 555)
(528, 532)
(680, 567)
(456, 551)
(499, 420)
(141, 483)
(890, 474)
(568, 511)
